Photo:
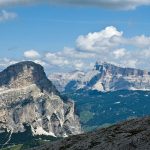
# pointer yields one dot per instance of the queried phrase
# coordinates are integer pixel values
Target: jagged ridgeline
(28, 98)
(106, 94)
(103, 77)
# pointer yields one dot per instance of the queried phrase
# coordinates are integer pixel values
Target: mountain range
(28, 98)
(31, 107)
(103, 77)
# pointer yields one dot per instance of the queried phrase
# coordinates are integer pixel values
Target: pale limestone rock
(104, 77)
(28, 97)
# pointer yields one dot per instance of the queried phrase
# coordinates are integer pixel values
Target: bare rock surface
(130, 135)
(27, 96)
(103, 77)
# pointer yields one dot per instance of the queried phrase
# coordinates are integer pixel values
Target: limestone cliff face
(104, 77)
(28, 97)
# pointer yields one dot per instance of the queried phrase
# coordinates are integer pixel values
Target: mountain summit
(25, 74)
(105, 68)
(105, 77)
(28, 97)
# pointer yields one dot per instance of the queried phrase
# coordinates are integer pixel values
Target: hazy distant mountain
(104, 77)
(27, 97)
(61, 80)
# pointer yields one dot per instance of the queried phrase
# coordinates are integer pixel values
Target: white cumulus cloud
(108, 44)
(140, 41)
(103, 40)
(109, 39)
(55, 59)
(31, 54)
(119, 53)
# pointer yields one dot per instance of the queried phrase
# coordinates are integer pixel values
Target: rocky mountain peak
(27, 96)
(105, 77)
(27, 72)
(115, 70)
(24, 74)
(104, 66)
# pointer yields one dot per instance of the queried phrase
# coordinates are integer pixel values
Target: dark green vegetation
(22, 141)
(19, 144)
(97, 109)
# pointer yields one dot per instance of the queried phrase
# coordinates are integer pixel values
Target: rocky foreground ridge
(103, 77)
(28, 97)
(129, 135)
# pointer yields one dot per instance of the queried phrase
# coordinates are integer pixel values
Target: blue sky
(45, 29)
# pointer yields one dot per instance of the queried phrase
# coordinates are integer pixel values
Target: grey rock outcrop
(129, 135)
(28, 97)
(104, 77)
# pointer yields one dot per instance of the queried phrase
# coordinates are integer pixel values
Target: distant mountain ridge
(60, 80)
(28, 97)
(103, 77)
